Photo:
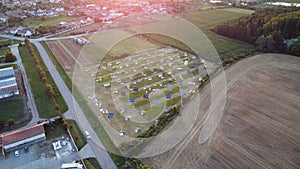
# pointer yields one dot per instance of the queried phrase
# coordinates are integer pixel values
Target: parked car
(87, 134)
(17, 153)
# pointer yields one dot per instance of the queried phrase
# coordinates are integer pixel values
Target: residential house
(3, 18)
(26, 32)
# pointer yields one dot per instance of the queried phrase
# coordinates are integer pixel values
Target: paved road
(30, 102)
(102, 155)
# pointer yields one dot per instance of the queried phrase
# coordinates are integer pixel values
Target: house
(26, 32)
(12, 30)
(8, 83)
(20, 138)
(16, 13)
(3, 18)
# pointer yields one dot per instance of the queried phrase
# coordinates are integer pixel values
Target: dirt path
(260, 126)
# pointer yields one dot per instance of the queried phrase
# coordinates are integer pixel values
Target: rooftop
(22, 134)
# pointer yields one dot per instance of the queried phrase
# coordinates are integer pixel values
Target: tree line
(42, 73)
(266, 29)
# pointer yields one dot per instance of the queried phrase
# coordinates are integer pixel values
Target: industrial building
(8, 83)
(20, 138)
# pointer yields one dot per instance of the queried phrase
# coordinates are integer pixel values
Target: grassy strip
(163, 121)
(58, 67)
(58, 97)
(78, 137)
(4, 51)
(91, 163)
(12, 109)
(45, 106)
(55, 129)
(36, 21)
(6, 66)
(141, 103)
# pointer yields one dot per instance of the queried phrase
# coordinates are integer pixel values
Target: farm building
(8, 83)
(21, 138)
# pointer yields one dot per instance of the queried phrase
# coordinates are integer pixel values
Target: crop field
(260, 125)
(206, 19)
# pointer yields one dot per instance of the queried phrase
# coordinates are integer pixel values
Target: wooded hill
(266, 29)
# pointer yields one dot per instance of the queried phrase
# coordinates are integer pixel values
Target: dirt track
(260, 127)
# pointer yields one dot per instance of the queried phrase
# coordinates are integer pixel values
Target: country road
(101, 154)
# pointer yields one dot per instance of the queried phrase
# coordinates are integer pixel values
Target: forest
(267, 29)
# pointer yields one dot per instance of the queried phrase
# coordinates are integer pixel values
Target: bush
(295, 48)
(11, 121)
(10, 57)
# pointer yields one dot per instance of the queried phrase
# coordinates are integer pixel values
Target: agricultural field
(260, 122)
(36, 22)
(206, 19)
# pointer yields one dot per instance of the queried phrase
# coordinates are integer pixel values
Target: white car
(87, 134)
(17, 153)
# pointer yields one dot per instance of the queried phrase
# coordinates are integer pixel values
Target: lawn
(8, 41)
(4, 51)
(12, 65)
(12, 109)
(45, 106)
(77, 135)
(91, 163)
(56, 130)
(36, 21)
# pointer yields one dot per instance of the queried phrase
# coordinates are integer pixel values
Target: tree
(11, 121)
(57, 107)
(43, 18)
(295, 48)
(10, 57)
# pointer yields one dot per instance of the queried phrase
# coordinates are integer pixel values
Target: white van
(87, 134)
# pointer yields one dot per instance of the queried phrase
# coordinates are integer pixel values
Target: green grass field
(4, 51)
(10, 41)
(12, 109)
(44, 105)
(12, 65)
(78, 137)
(205, 19)
(36, 21)
(58, 130)
(129, 45)
(239, 10)
(91, 163)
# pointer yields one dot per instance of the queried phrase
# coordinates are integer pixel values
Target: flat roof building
(8, 83)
